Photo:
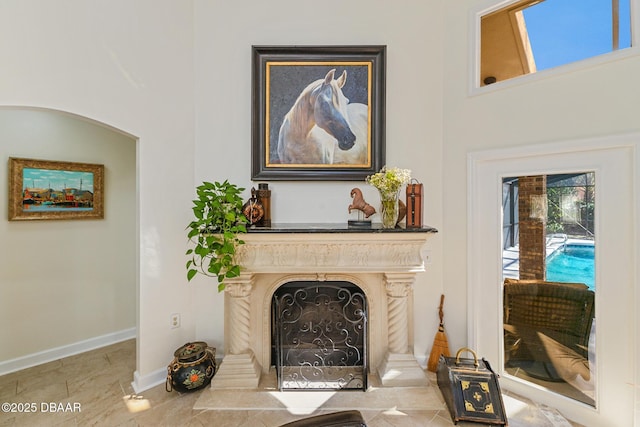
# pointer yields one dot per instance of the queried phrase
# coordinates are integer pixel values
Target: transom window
(533, 35)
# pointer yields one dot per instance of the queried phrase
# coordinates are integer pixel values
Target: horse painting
(322, 127)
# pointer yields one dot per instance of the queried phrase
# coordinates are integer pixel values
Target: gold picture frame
(50, 190)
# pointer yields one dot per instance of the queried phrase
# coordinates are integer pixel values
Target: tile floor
(94, 389)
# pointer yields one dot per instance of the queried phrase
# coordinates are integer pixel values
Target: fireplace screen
(320, 331)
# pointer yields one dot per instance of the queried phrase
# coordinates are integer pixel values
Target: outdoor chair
(547, 327)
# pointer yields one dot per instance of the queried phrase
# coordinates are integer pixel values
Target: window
(549, 282)
(615, 218)
(534, 35)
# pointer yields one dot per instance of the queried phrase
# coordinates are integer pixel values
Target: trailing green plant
(214, 231)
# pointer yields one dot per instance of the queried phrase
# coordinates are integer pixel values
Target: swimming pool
(574, 263)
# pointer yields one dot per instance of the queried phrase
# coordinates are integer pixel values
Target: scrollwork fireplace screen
(320, 336)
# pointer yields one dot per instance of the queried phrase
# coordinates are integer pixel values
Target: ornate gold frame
(18, 209)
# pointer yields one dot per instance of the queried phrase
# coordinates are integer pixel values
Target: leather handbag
(470, 389)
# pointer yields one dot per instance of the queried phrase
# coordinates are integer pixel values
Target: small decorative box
(470, 389)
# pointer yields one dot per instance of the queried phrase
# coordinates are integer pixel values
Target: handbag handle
(475, 356)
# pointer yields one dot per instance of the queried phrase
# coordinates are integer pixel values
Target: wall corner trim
(141, 383)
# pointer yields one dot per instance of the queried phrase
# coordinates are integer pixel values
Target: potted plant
(214, 231)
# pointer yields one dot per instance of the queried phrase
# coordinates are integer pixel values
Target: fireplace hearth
(380, 264)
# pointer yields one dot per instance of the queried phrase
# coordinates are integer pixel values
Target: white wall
(129, 65)
(592, 99)
(176, 75)
(412, 31)
(67, 281)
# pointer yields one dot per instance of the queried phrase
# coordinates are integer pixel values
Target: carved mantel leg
(400, 367)
(239, 367)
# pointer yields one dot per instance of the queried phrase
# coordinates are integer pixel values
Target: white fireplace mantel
(383, 263)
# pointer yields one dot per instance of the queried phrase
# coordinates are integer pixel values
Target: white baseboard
(422, 361)
(50, 355)
(142, 383)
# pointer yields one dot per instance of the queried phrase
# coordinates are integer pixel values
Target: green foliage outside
(579, 221)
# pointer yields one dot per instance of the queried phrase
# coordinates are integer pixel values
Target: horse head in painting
(321, 120)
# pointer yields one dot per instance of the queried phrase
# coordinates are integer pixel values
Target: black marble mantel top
(334, 228)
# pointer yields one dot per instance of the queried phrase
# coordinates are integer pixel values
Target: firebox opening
(319, 336)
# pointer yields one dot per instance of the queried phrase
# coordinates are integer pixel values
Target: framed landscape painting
(45, 189)
(318, 112)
